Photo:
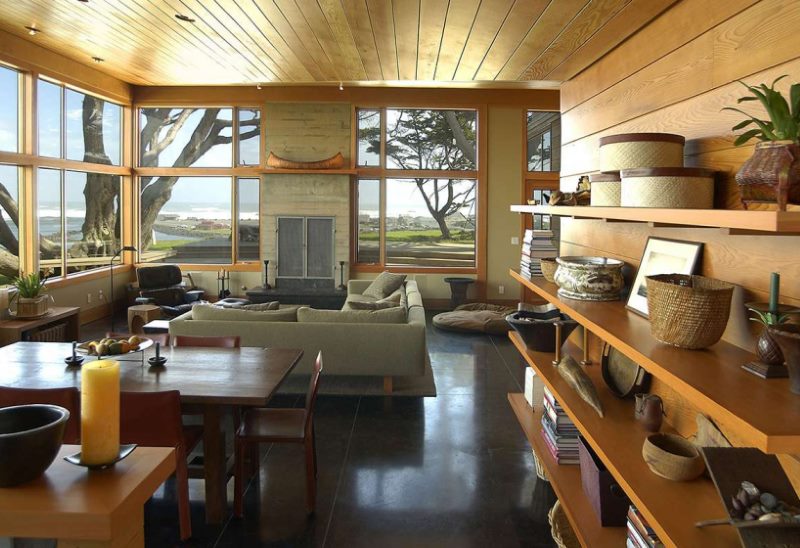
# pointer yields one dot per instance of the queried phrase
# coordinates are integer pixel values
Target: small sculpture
(649, 411)
(577, 378)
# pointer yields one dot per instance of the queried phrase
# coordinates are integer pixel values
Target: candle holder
(341, 287)
(74, 360)
(770, 362)
(158, 360)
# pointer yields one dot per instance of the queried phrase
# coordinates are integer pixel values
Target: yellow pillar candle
(99, 412)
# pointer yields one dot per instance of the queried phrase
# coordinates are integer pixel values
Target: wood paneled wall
(675, 75)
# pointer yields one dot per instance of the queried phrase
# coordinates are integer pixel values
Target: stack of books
(559, 432)
(535, 245)
(640, 534)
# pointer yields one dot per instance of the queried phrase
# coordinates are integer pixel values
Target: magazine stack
(559, 432)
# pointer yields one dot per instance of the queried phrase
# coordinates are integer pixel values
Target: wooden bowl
(672, 457)
(30, 437)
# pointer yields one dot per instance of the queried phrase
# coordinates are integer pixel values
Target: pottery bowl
(537, 327)
(672, 457)
(549, 267)
(589, 278)
(30, 437)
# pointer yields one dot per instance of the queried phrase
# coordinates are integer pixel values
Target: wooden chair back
(161, 338)
(313, 388)
(209, 342)
(67, 397)
(151, 419)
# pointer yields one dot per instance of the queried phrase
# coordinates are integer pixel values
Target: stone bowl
(537, 327)
(30, 437)
(672, 457)
(589, 278)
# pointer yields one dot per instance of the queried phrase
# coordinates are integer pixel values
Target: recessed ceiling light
(184, 18)
(33, 31)
(98, 60)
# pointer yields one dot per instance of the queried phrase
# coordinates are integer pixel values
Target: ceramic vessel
(537, 327)
(788, 338)
(768, 350)
(30, 437)
(649, 411)
(589, 278)
(672, 457)
(771, 175)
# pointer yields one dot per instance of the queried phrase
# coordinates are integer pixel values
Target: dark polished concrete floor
(449, 471)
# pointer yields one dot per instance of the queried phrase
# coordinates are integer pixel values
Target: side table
(458, 290)
(141, 314)
(60, 324)
(83, 508)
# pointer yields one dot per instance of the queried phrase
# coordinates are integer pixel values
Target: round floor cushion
(475, 318)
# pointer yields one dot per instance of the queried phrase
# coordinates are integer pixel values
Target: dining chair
(161, 338)
(68, 397)
(153, 419)
(207, 342)
(268, 425)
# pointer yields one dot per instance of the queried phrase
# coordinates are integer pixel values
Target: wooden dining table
(209, 378)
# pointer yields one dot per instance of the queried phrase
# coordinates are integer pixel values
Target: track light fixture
(33, 31)
(184, 18)
(98, 60)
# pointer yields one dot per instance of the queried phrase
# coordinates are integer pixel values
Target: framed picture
(662, 256)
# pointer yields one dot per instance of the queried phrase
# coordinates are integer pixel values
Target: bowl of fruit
(115, 347)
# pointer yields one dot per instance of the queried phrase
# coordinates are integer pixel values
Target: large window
(544, 141)
(9, 222)
(425, 221)
(9, 110)
(79, 219)
(199, 219)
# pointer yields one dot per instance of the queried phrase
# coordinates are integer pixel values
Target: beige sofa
(353, 342)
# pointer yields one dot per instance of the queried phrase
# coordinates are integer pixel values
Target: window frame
(234, 171)
(382, 173)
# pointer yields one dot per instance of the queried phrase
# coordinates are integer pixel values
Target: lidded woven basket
(635, 150)
(668, 187)
(606, 189)
(688, 311)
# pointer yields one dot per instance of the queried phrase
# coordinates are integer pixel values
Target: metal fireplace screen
(305, 247)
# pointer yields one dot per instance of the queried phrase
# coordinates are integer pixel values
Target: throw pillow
(377, 305)
(272, 305)
(213, 313)
(394, 299)
(390, 315)
(384, 285)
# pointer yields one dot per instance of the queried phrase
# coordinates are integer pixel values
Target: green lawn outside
(418, 236)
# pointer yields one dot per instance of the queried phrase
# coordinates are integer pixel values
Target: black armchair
(164, 287)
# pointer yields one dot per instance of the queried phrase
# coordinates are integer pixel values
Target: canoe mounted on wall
(334, 162)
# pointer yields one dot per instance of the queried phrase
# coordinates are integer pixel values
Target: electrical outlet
(100, 295)
(501, 289)
(514, 240)
(88, 298)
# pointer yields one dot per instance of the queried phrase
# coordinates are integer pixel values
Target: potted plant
(31, 301)
(772, 174)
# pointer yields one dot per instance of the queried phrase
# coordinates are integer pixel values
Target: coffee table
(156, 326)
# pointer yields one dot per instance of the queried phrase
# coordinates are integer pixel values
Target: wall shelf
(566, 482)
(754, 409)
(736, 221)
(671, 507)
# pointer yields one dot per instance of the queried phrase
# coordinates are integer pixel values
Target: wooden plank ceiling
(543, 42)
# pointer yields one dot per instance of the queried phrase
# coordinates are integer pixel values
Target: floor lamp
(111, 267)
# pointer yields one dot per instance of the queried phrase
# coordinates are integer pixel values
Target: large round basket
(606, 189)
(634, 150)
(688, 311)
(668, 187)
(560, 528)
(540, 471)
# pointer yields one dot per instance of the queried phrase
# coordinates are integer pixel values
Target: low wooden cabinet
(60, 324)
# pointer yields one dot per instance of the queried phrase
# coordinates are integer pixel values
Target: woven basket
(688, 311)
(635, 150)
(540, 471)
(673, 188)
(560, 528)
(606, 189)
(549, 267)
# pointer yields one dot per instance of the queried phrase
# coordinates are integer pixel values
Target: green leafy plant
(784, 116)
(29, 286)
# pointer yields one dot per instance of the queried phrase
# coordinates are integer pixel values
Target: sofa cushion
(396, 314)
(384, 285)
(206, 312)
(272, 305)
(377, 305)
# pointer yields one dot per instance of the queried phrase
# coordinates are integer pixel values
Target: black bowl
(30, 437)
(538, 327)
